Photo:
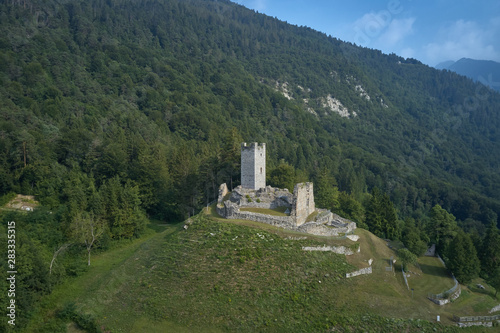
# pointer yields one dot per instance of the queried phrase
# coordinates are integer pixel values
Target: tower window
(261, 170)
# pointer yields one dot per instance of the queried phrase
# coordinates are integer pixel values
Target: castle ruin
(301, 213)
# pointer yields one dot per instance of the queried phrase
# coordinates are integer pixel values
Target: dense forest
(114, 112)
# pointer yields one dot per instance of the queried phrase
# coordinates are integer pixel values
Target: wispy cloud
(465, 39)
(408, 52)
(396, 31)
(381, 29)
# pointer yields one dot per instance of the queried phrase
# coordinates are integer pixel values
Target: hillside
(484, 71)
(225, 277)
(148, 91)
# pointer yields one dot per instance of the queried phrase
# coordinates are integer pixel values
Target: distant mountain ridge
(485, 71)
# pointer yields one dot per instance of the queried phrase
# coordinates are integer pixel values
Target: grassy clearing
(218, 276)
(430, 277)
(280, 211)
(104, 273)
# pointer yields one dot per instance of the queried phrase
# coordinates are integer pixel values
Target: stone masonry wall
(223, 191)
(231, 210)
(253, 165)
(320, 229)
(367, 270)
(266, 197)
(303, 202)
(335, 249)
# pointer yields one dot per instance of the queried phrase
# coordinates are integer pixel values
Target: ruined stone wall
(324, 216)
(320, 229)
(335, 249)
(230, 210)
(266, 197)
(303, 202)
(278, 221)
(300, 203)
(223, 191)
(253, 165)
(367, 270)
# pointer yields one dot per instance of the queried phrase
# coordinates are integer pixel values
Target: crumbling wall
(367, 270)
(266, 197)
(335, 249)
(303, 202)
(223, 191)
(320, 229)
(230, 210)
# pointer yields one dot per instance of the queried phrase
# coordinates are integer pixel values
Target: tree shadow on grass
(435, 271)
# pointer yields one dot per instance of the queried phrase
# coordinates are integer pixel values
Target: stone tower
(253, 165)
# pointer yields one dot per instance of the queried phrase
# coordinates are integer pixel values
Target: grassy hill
(221, 276)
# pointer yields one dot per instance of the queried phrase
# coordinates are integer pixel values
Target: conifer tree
(494, 279)
(325, 190)
(462, 258)
(390, 218)
(490, 251)
(374, 218)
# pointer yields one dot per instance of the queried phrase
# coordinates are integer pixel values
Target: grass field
(226, 277)
(430, 277)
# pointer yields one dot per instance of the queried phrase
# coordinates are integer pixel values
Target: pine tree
(494, 279)
(462, 258)
(374, 218)
(490, 251)
(325, 190)
(390, 219)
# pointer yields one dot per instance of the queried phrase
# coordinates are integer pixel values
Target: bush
(84, 321)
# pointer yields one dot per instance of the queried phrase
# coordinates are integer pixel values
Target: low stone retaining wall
(278, 221)
(477, 323)
(354, 238)
(336, 249)
(367, 270)
(476, 320)
(324, 216)
(319, 229)
(495, 309)
(443, 301)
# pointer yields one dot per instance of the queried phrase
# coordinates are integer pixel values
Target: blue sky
(430, 31)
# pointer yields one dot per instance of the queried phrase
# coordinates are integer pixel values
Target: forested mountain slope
(152, 98)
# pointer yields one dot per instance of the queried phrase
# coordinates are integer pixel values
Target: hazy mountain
(484, 71)
(445, 64)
